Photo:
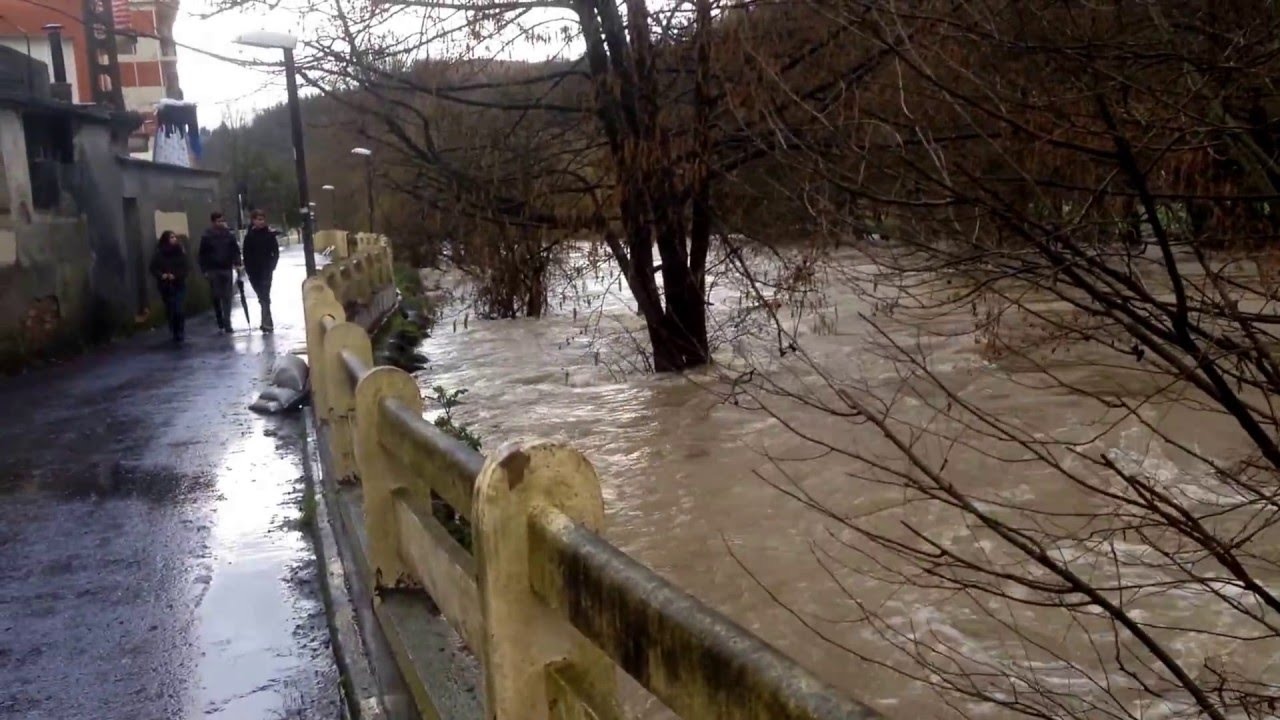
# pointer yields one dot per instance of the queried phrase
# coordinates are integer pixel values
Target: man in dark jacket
(219, 259)
(261, 253)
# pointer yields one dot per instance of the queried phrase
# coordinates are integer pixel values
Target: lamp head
(267, 39)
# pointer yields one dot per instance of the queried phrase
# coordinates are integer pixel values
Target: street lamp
(287, 42)
(368, 178)
(333, 206)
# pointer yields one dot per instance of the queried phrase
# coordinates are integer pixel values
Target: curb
(361, 696)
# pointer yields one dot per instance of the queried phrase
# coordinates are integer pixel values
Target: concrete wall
(40, 50)
(76, 273)
(45, 292)
(172, 198)
(44, 268)
(92, 186)
(19, 17)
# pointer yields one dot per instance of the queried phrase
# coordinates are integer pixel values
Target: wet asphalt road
(151, 559)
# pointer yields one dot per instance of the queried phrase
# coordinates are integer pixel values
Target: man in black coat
(261, 253)
(219, 259)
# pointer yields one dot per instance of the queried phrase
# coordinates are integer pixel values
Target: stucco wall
(44, 294)
(77, 273)
(165, 192)
(93, 185)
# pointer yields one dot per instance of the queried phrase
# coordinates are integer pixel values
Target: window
(126, 44)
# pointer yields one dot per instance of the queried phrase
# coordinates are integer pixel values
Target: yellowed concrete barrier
(549, 607)
(332, 241)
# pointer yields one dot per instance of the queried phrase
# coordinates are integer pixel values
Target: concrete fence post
(379, 473)
(373, 270)
(388, 265)
(353, 269)
(523, 636)
(372, 283)
(318, 302)
(364, 283)
(346, 282)
(379, 269)
(333, 279)
(340, 393)
(339, 283)
(330, 240)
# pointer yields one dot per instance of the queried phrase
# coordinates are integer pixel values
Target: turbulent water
(691, 481)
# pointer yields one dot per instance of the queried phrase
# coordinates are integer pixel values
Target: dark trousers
(175, 299)
(220, 287)
(262, 288)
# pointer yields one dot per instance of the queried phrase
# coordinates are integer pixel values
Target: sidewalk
(151, 563)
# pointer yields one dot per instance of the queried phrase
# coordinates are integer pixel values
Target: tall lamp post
(368, 178)
(333, 206)
(287, 42)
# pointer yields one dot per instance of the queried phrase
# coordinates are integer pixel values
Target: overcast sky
(217, 85)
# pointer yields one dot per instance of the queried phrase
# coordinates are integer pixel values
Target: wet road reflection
(151, 558)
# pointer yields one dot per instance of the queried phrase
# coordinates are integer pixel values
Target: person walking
(219, 260)
(169, 268)
(261, 254)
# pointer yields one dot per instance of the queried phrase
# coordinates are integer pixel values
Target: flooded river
(691, 481)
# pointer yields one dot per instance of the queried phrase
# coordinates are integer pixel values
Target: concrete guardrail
(548, 607)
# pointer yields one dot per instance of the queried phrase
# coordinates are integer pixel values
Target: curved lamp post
(287, 42)
(368, 178)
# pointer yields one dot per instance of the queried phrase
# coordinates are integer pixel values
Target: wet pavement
(153, 562)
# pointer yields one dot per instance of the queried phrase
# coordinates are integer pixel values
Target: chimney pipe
(55, 52)
(60, 89)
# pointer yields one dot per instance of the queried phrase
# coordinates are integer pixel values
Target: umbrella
(243, 303)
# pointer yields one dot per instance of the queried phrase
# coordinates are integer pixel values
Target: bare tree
(623, 142)
(1085, 194)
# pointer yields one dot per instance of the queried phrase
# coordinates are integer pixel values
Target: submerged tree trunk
(675, 314)
(536, 295)
(654, 198)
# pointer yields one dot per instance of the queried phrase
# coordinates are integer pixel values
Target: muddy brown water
(682, 473)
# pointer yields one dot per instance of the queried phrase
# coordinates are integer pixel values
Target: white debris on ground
(289, 386)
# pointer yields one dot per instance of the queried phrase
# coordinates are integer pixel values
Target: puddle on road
(261, 619)
(151, 565)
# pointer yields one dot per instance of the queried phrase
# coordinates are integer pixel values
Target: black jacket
(169, 259)
(261, 252)
(218, 250)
